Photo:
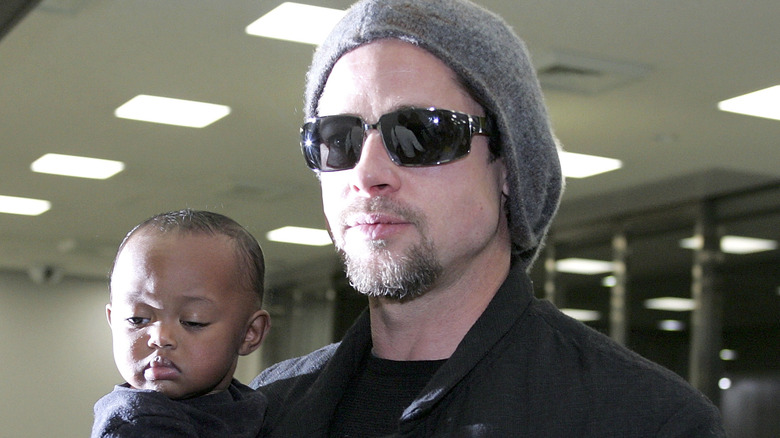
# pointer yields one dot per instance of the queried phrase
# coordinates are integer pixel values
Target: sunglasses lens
(332, 143)
(420, 137)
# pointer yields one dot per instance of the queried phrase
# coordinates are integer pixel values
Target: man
(440, 177)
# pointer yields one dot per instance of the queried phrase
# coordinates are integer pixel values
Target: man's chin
(359, 247)
(365, 253)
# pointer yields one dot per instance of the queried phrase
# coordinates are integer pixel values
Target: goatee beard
(382, 273)
(396, 277)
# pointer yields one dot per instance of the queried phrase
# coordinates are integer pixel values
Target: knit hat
(493, 63)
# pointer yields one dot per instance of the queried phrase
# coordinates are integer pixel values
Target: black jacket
(523, 370)
(126, 412)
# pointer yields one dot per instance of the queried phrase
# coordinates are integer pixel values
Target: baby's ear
(259, 324)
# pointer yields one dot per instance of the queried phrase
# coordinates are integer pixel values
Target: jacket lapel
(505, 308)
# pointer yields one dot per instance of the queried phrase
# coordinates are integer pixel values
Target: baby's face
(178, 313)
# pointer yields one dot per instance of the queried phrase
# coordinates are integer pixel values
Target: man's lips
(161, 368)
(374, 219)
(375, 226)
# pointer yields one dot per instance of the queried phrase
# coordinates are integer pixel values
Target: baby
(186, 290)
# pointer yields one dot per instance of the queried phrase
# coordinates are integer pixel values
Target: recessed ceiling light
(673, 304)
(734, 244)
(582, 314)
(691, 243)
(296, 22)
(727, 354)
(746, 245)
(23, 206)
(82, 167)
(762, 103)
(582, 166)
(299, 236)
(583, 266)
(671, 325)
(171, 111)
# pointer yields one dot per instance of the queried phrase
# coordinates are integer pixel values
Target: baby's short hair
(188, 221)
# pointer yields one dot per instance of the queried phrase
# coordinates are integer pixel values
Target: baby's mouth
(161, 368)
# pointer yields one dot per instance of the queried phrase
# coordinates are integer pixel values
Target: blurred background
(684, 220)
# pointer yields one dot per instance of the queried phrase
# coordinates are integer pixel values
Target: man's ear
(504, 179)
(259, 324)
(108, 313)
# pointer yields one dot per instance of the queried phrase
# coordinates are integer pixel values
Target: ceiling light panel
(762, 103)
(673, 304)
(609, 281)
(583, 166)
(671, 325)
(583, 266)
(734, 244)
(82, 167)
(171, 111)
(746, 245)
(296, 22)
(583, 315)
(23, 206)
(299, 236)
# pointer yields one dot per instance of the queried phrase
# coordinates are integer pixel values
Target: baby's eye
(194, 324)
(137, 321)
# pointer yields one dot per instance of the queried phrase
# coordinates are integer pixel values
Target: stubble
(380, 272)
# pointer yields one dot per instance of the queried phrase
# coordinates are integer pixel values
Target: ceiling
(651, 74)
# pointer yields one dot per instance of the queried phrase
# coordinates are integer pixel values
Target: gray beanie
(495, 67)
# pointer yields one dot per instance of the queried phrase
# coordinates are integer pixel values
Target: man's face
(178, 313)
(405, 230)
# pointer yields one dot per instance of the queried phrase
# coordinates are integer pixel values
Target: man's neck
(431, 326)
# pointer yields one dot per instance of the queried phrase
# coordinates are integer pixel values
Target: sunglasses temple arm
(480, 125)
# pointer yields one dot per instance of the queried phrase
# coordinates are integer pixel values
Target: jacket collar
(501, 314)
(319, 404)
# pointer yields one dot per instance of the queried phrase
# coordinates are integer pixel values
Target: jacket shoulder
(295, 368)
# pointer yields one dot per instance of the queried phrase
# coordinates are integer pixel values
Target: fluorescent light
(23, 206)
(583, 266)
(746, 245)
(296, 22)
(300, 236)
(171, 111)
(691, 243)
(727, 354)
(734, 244)
(582, 314)
(609, 281)
(762, 103)
(82, 167)
(673, 304)
(582, 166)
(671, 325)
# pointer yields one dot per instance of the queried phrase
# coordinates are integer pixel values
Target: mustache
(381, 205)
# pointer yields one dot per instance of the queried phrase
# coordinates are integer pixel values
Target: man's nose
(375, 173)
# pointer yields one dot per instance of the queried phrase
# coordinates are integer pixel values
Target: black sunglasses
(412, 137)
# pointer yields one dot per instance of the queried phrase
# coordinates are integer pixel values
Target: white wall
(55, 356)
